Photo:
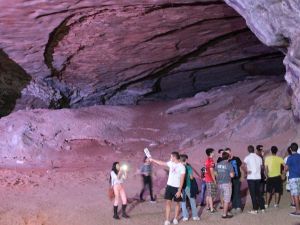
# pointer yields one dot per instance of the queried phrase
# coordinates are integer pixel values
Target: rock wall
(276, 23)
(13, 79)
(82, 53)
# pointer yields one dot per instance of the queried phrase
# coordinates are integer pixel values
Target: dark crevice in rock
(177, 5)
(13, 79)
(54, 38)
(252, 58)
(189, 26)
(177, 61)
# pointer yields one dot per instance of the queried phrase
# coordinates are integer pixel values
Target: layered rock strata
(83, 53)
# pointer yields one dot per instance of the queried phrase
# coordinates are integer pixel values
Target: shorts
(170, 194)
(211, 190)
(295, 186)
(226, 191)
(274, 183)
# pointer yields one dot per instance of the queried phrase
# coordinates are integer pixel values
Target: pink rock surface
(276, 23)
(82, 53)
(55, 163)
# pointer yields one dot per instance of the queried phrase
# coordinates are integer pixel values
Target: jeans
(186, 193)
(202, 194)
(236, 193)
(256, 194)
(147, 181)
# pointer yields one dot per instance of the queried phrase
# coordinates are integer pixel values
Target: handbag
(111, 193)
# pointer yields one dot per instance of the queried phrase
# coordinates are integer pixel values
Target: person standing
(224, 174)
(293, 166)
(260, 152)
(203, 187)
(146, 171)
(220, 152)
(174, 185)
(117, 176)
(210, 180)
(287, 186)
(253, 165)
(273, 167)
(189, 191)
(236, 182)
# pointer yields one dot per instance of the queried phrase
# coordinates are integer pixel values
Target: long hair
(114, 169)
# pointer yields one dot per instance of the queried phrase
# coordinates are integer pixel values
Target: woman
(146, 172)
(117, 176)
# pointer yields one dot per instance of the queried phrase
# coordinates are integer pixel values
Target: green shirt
(189, 171)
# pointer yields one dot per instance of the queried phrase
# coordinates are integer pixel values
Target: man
(189, 191)
(224, 174)
(174, 184)
(260, 152)
(293, 166)
(236, 183)
(253, 164)
(273, 167)
(210, 180)
(220, 152)
(203, 187)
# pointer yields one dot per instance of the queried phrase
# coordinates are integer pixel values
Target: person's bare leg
(168, 209)
(296, 200)
(177, 209)
(225, 209)
(268, 198)
(210, 203)
(277, 198)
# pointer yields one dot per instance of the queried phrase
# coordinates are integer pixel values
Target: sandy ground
(79, 198)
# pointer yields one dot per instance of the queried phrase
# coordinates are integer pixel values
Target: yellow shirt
(274, 163)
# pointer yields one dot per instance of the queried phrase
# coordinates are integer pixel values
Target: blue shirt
(293, 162)
(224, 168)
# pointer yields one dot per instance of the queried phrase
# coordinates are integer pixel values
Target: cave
(86, 83)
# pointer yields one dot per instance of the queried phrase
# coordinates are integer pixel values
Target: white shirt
(115, 180)
(285, 160)
(254, 163)
(175, 172)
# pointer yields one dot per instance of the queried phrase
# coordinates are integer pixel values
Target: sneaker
(185, 219)
(196, 218)
(213, 210)
(227, 216)
(238, 210)
(167, 222)
(276, 206)
(263, 211)
(293, 206)
(152, 201)
(175, 221)
(254, 212)
(295, 214)
(266, 206)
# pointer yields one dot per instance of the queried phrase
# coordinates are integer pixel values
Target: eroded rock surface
(276, 23)
(249, 111)
(82, 53)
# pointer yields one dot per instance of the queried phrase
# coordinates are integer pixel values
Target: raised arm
(158, 162)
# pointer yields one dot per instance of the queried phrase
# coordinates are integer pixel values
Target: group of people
(265, 176)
